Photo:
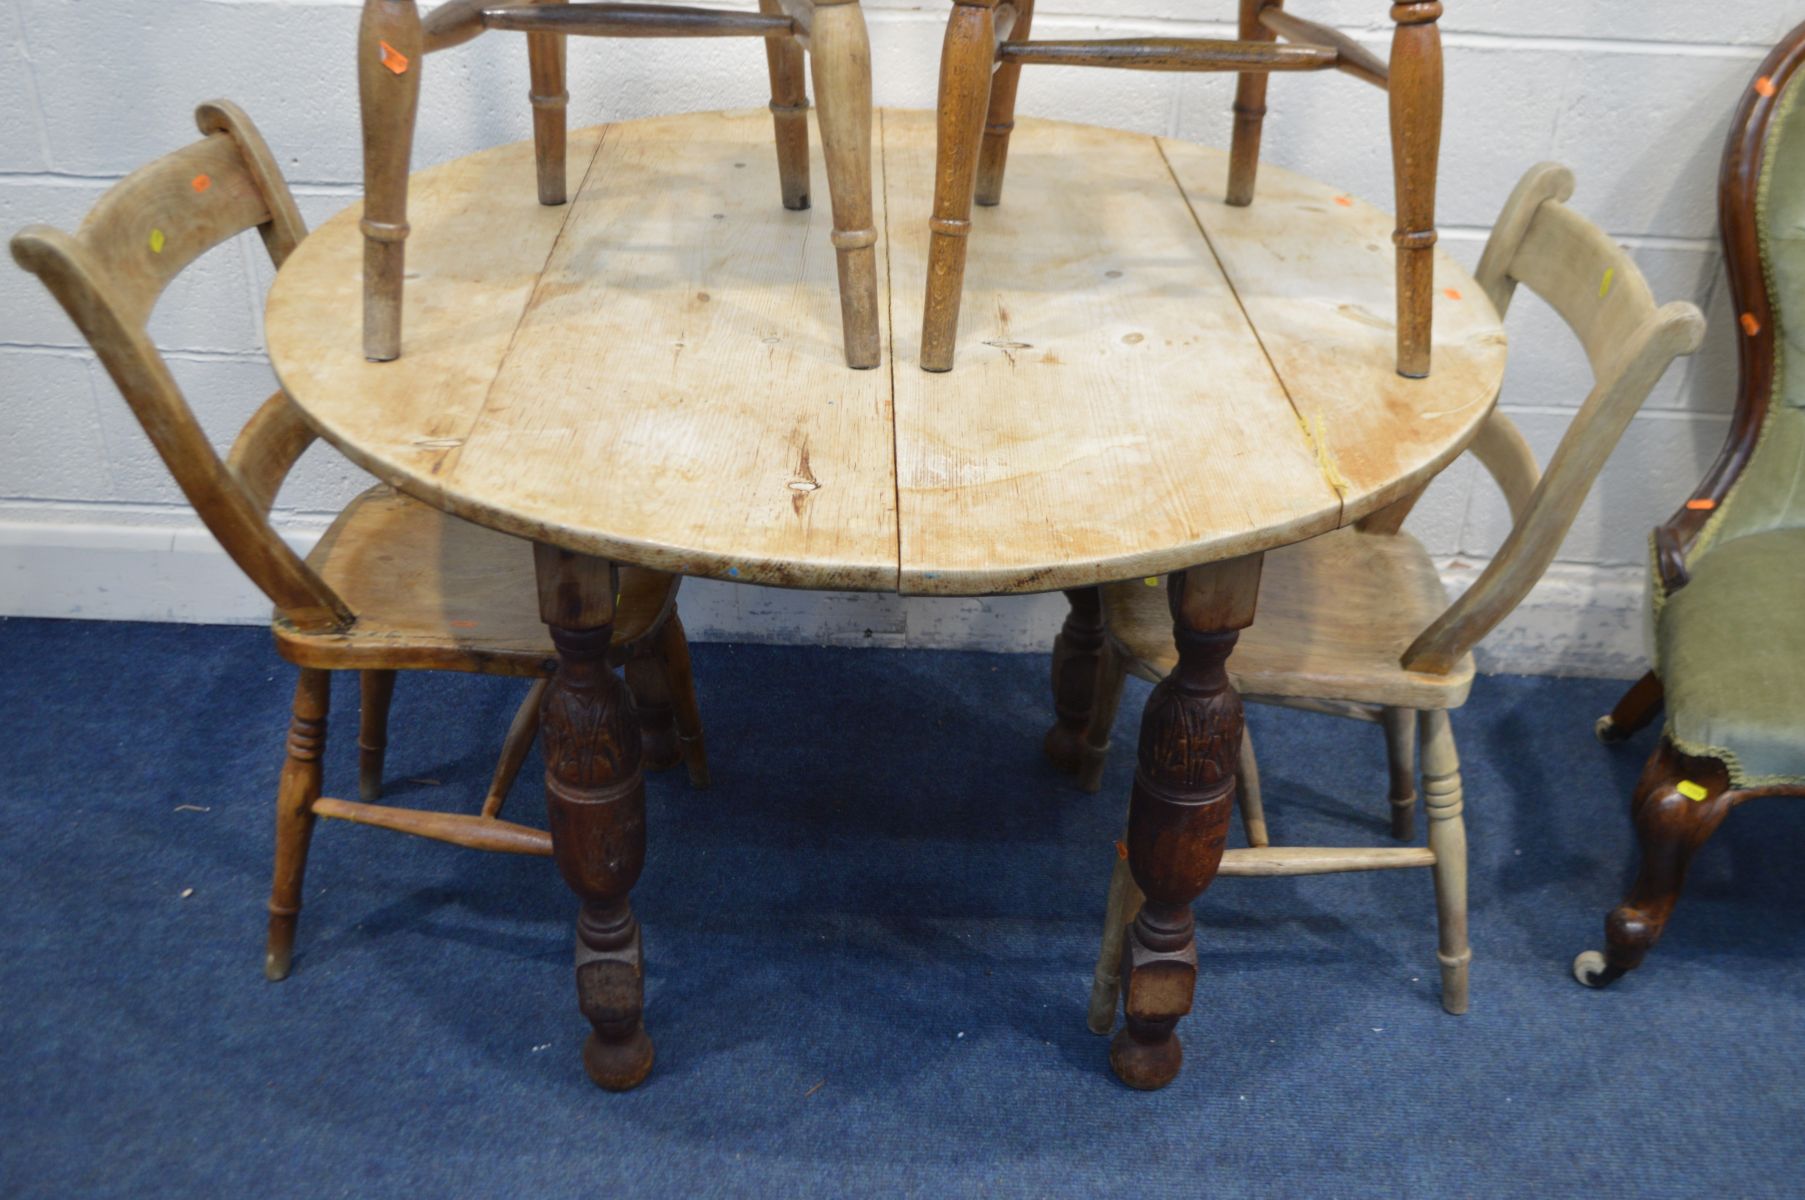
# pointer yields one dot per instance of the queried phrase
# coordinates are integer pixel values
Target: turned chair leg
(1442, 800)
(840, 60)
(550, 100)
(1077, 653)
(1634, 711)
(515, 747)
(999, 121)
(1112, 675)
(1106, 981)
(299, 788)
(1247, 787)
(1679, 803)
(965, 62)
(378, 688)
(1400, 753)
(1416, 116)
(789, 111)
(673, 647)
(651, 689)
(390, 49)
(1250, 110)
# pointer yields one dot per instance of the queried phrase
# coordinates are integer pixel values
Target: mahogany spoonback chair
(393, 584)
(980, 65)
(1728, 579)
(393, 41)
(1355, 623)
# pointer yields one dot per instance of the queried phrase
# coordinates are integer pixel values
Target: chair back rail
(108, 275)
(1597, 289)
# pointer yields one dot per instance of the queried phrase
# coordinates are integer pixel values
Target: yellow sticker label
(1691, 790)
(1151, 581)
(156, 241)
(1604, 286)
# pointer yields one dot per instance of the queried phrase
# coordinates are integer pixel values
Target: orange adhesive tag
(1121, 849)
(1344, 201)
(202, 182)
(1703, 504)
(1764, 86)
(393, 59)
(1451, 293)
(1750, 325)
(156, 241)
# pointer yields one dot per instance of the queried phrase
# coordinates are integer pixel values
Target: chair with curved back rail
(393, 584)
(1355, 623)
(393, 42)
(980, 65)
(1728, 584)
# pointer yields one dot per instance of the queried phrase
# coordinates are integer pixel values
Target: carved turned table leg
(595, 792)
(1184, 790)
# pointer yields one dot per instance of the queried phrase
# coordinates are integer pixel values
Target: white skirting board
(1581, 620)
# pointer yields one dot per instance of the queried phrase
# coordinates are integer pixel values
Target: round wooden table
(1149, 382)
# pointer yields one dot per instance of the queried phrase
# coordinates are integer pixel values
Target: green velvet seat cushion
(1732, 653)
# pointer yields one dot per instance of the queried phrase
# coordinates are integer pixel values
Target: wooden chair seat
(1335, 616)
(431, 590)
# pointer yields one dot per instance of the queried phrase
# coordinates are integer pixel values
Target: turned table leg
(595, 793)
(1178, 812)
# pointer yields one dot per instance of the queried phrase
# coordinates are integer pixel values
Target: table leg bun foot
(1146, 1065)
(618, 1066)
(1064, 748)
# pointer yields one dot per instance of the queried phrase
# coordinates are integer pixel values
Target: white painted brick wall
(1635, 95)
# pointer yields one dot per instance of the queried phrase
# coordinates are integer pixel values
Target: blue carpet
(869, 948)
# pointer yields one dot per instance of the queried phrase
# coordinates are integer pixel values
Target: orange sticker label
(1750, 325)
(393, 59)
(1344, 201)
(1451, 293)
(1703, 504)
(1764, 86)
(1121, 849)
(202, 182)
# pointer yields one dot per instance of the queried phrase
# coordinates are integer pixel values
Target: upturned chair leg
(789, 111)
(515, 747)
(999, 122)
(1442, 799)
(651, 689)
(1400, 753)
(378, 688)
(1250, 110)
(1112, 675)
(673, 646)
(1634, 711)
(1077, 653)
(1679, 803)
(1247, 787)
(545, 63)
(390, 48)
(840, 60)
(299, 788)
(1106, 981)
(965, 62)
(1416, 114)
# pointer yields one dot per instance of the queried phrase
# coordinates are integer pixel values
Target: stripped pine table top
(1147, 379)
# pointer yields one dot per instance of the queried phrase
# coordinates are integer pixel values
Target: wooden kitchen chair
(1729, 567)
(393, 584)
(980, 65)
(1355, 623)
(393, 42)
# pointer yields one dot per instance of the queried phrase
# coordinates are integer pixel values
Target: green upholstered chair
(1729, 568)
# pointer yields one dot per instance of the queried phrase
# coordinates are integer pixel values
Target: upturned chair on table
(980, 65)
(1729, 566)
(1356, 624)
(393, 584)
(393, 41)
